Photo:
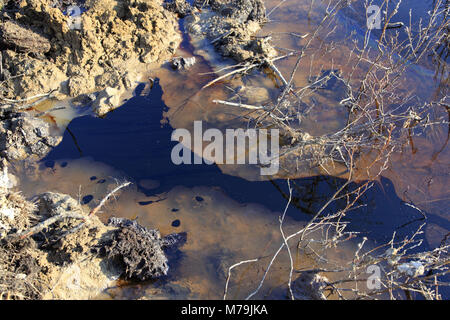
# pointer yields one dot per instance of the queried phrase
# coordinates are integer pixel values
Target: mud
(139, 250)
(230, 26)
(102, 53)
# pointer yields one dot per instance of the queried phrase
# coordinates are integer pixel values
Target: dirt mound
(53, 252)
(40, 263)
(68, 239)
(230, 26)
(102, 51)
(21, 275)
(139, 253)
(181, 7)
(15, 212)
(139, 250)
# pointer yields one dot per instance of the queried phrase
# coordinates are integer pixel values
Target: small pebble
(64, 164)
(93, 178)
(199, 199)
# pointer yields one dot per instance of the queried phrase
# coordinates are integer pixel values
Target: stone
(180, 63)
(23, 136)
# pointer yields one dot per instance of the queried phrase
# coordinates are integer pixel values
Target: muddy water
(229, 213)
(221, 230)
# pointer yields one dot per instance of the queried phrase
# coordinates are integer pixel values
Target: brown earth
(101, 52)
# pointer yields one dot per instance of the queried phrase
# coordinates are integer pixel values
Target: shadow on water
(132, 139)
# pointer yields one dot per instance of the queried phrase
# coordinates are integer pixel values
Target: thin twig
(229, 274)
(94, 211)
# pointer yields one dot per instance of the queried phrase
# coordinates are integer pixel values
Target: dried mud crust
(103, 52)
(230, 26)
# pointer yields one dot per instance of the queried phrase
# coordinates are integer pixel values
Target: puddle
(219, 212)
(217, 226)
(228, 214)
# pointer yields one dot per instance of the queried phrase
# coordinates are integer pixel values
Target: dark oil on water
(132, 140)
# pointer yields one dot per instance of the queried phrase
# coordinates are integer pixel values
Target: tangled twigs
(401, 274)
(382, 115)
(243, 68)
(313, 224)
(380, 111)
